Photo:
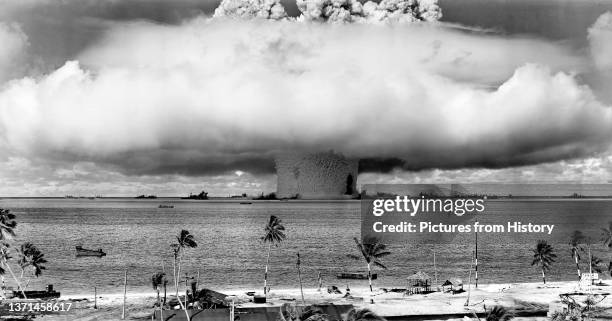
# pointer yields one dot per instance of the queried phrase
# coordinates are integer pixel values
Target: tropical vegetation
(543, 257)
(274, 234)
(372, 251)
(29, 257)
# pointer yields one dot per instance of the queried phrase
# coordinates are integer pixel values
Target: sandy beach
(516, 296)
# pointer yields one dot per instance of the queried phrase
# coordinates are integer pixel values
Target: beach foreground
(515, 296)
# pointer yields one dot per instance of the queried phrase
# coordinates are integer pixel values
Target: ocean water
(136, 235)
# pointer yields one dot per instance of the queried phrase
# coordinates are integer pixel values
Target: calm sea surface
(136, 235)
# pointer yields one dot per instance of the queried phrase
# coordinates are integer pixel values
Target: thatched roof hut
(452, 284)
(419, 279)
(419, 282)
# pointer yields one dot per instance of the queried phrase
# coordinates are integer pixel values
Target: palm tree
(575, 240)
(157, 280)
(544, 257)
(274, 234)
(176, 249)
(498, 313)
(184, 240)
(371, 251)
(30, 256)
(7, 232)
(363, 315)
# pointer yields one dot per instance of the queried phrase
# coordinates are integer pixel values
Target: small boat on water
(49, 293)
(246, 203)
(165, 206)
(355, 276)
(80, 251)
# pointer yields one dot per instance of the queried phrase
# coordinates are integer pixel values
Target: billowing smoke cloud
(216, 95)
(13, 44)
(600, 37)
(248, 9)
(335, 11)
(389, 11)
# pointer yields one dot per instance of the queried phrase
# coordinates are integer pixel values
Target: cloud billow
(214, 95)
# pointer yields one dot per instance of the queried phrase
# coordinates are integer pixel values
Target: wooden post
(95, 297)
(124, 295)
(476, 262)
(467, 302)
(198, 280)
(435, 270)
(300, 278)
(186, 289)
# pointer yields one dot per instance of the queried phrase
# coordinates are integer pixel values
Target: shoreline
(525, 297)
(354, 289)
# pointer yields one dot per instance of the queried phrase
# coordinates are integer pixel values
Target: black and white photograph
(305, 160)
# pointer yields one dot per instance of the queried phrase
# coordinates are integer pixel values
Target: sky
(121, 98)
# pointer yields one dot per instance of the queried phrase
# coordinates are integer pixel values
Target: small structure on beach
(446, 284)
(454, 286)
(47, 294)
(419, 282)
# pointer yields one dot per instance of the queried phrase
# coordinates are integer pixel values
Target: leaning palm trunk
(174, 278)
(8, 267)
(15, 278)
(183, 306)
(27, 283)
(178, 271)
(21, 279)
(161, 308)
(266, 273)
(370, 277)
(577, 267)
(370, 283)
(543, 276)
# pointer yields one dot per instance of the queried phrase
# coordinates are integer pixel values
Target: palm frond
(363, 315)
(30, 255)
(274, 231)
(371, 250)
(381, 254)
(380, 265)
(7, 224)
(498, 313)
(543, 255)
(185, 239)
(158, 279)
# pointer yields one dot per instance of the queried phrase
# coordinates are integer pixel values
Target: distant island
(202, 196)
(146, 196)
